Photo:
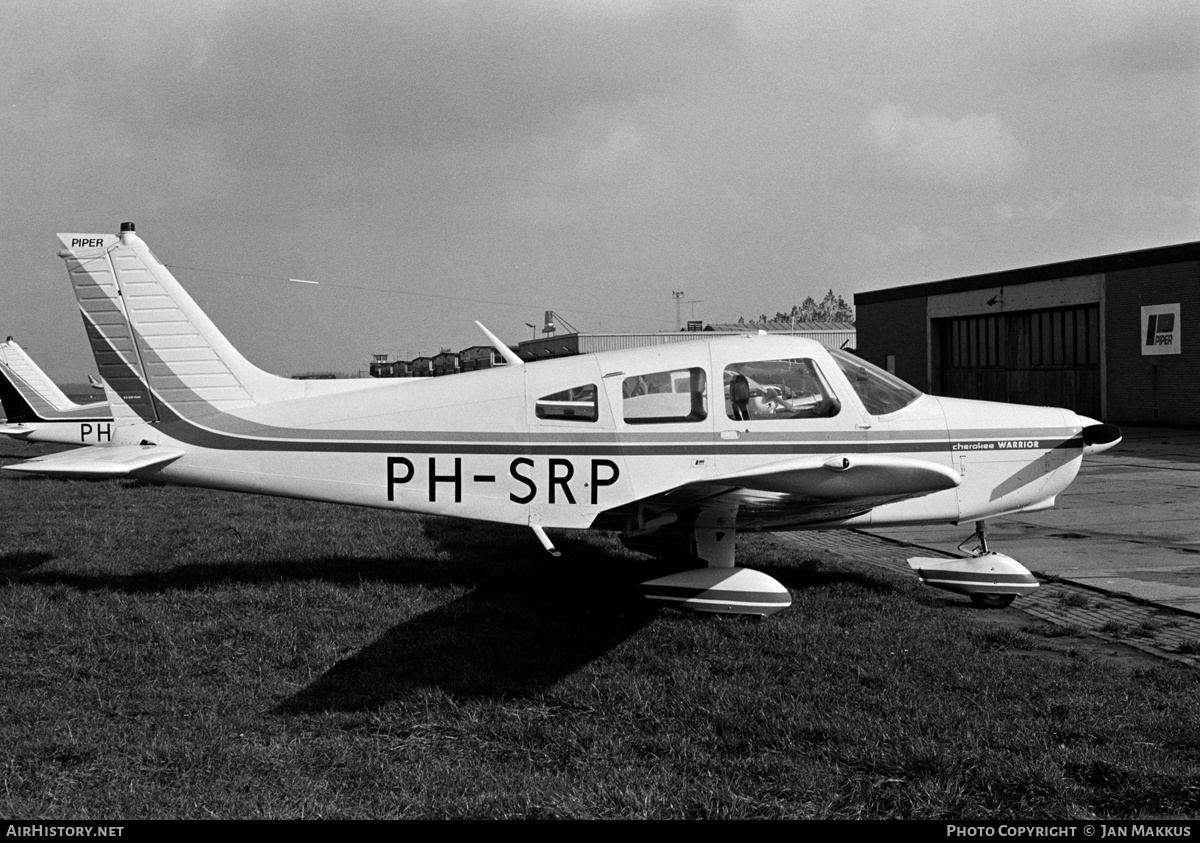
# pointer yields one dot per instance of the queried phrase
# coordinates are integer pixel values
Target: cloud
(1039, 209)
(1109, 201)
(382, 75)
(619, 169)
(937, 150)
(1188, 204)
(903, 241)
(312, 88)
(1163, 45)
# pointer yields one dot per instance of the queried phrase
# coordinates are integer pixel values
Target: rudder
(153, 344)
(16, 408)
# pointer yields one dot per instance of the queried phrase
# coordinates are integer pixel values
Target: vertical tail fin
(153, 344)
(22, 365)
(27, 393)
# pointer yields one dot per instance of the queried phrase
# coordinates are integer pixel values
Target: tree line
(832, 308)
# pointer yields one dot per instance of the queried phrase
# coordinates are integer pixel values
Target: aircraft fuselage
(563, 443)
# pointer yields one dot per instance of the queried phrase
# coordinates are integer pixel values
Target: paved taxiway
(1129, 524)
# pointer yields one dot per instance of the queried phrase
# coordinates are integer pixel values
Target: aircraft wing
(100, 461)
(791, 493)
(847, 477)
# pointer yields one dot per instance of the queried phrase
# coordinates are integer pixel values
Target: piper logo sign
(1160, 329)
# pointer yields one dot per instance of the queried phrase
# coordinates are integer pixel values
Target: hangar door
(1044, 357)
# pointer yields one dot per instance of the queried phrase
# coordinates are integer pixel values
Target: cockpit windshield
(881, 392)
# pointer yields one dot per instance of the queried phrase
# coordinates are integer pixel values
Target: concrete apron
(1130, 523)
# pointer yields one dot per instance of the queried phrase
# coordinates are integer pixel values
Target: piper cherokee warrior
(677, 447)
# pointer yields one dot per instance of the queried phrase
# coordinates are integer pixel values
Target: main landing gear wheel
(993, 601)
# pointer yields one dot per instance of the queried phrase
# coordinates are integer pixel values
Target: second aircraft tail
(31, 375)
(27, 393)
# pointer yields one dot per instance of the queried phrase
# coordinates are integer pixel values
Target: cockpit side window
(881, 392)
(664, 397)
(575, 404)
(776, 390)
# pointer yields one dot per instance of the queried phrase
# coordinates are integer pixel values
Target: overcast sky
(492, 160)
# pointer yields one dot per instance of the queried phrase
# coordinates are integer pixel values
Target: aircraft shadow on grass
(518, 632)
(527, 621)
(14, 565)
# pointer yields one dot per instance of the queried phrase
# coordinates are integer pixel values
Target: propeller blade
(1101, 434)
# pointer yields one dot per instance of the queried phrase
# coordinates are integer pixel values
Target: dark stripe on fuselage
(188, 433)
(256, 436)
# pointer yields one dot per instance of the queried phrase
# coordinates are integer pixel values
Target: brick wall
(1138, 384)
(895, 327)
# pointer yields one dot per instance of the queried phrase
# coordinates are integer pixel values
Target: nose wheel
(993, 601)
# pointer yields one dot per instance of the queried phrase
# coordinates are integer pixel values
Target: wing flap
(100, 461)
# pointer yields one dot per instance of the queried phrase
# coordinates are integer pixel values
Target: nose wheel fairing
(986, 574)
(992, 580)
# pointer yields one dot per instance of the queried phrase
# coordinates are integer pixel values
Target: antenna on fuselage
(545, 540)
(507, 353)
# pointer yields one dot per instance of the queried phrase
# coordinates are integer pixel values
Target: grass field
(173, 652)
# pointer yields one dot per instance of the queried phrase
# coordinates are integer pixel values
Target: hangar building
(1103, 336)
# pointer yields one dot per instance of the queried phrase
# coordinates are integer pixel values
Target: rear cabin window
(663, 397)
(881, 392)
(776, 390)
(575, 404)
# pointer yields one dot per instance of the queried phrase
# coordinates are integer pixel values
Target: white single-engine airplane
(36, 410)
(647, 442)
